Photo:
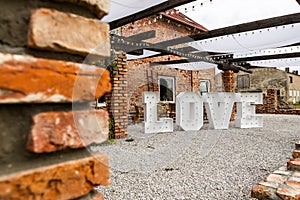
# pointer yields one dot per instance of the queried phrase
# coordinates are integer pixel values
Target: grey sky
(222, 13)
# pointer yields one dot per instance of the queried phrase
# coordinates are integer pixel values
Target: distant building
(285, 82)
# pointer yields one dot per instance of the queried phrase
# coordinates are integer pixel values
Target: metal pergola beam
(266, 57)
(148, 12)
(260, 24)
(142, 36)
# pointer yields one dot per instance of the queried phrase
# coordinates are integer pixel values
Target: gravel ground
(205, 164)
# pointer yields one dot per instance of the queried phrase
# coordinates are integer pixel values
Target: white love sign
(152, 124)
(189, 111)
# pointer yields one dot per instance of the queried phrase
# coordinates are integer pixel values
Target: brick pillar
(46, 113)
(271, 101)
(117, 100)
(228, 82)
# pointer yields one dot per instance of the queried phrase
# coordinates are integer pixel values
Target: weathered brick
(296, 174)
(98, 7)
(294, 185)
(61, 32)
(262, 192)
(296, 154)
(28, 79)
(275, 178)
(270, 184)
(294, 164)
(282, 172)
(67, 180)
(288, 194)
(294, 178)
(54, 131)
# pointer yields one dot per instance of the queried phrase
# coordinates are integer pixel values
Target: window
(243, 82)
(291, 79)
(204, 86)
(166, 88)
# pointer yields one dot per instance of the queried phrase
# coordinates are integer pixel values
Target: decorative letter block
(246, 117)
(219, 107)
(189, 111)
(152, 124)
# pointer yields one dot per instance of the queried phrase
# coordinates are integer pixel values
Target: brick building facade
(142, 76)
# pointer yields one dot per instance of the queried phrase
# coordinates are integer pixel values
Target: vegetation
(297, 105)
(111, 126)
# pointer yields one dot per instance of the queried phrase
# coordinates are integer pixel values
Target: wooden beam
(148, 12)
(138, 52)
(266, 57)
(134, 38)
(266, 23)
(170, 62)
(142, 36)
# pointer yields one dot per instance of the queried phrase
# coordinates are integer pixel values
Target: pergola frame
(191, 54)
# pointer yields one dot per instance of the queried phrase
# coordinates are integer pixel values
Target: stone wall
(46, 119)
(283, 183)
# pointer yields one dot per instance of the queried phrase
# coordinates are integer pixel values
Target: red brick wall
(46, 118)
(184, 80)
(166, 29)
(117, 99)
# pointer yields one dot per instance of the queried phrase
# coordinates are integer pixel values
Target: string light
(193, 7)
(173, 12)
(118, 39)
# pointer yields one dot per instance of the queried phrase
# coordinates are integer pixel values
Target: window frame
(243, 78)
(173, 88)
(207, 84)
